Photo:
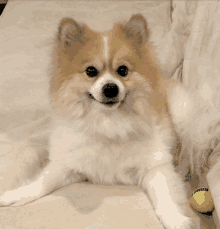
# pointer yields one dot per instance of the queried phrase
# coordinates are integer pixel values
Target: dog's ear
(136, 29)
(69, 31)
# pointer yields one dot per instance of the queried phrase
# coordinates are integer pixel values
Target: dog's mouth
(109, 103)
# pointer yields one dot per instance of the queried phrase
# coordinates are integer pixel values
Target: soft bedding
(178, 30)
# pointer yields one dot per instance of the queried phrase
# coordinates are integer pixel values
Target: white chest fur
(103, 162)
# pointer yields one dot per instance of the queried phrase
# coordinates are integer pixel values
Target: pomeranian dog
(114, 118)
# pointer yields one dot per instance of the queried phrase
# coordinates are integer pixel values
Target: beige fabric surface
(84, 206)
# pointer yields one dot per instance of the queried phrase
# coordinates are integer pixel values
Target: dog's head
(106, 78)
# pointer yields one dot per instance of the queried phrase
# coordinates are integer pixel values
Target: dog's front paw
(19, 197)
(8, 198)
(172, 220)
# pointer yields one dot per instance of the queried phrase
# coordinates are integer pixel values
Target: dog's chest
(102, 163)
(110, 164)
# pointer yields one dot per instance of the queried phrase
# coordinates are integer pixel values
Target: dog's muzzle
(109, 95)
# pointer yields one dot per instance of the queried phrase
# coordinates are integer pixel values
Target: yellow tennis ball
(202, 201)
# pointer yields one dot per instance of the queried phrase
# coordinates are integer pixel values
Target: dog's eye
(122, 70)
(92, 71)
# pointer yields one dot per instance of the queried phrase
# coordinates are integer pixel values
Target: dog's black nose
(110, 90)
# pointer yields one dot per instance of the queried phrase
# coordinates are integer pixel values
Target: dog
(113, 119)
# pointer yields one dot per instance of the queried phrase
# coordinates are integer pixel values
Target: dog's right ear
(69, 31)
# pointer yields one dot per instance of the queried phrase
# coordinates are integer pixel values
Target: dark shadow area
(2, 6)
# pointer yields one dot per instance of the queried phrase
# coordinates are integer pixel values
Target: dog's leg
(168, 196)
(52, 177)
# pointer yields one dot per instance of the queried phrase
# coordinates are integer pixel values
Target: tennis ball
(202, 201)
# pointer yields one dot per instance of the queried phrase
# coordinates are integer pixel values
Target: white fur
(172, 219)
(148, 161)
(106, 47)
(181, 105)
(165, 189)
(195, 113)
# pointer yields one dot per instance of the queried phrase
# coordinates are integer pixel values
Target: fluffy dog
(113, 119)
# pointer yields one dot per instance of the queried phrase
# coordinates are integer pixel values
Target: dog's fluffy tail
(196, 115)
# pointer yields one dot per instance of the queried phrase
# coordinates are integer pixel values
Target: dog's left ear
(70, 31)
(136, 29)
